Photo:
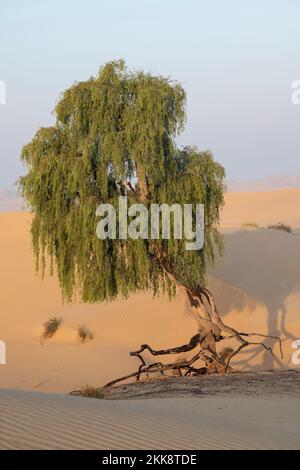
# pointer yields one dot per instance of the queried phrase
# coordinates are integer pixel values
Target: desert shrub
(89, 392)
(50, 328)
(280, 226)
(84, 334)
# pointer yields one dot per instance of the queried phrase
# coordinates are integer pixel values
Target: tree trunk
(210, 329)
(142, 182)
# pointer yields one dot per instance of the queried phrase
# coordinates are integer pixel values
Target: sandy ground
(256, 285)
(280, 384)
(34, 420)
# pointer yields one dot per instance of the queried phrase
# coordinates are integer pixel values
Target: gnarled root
(211, 329)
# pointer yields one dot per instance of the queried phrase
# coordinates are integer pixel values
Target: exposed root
(161, 368)
(211, 329)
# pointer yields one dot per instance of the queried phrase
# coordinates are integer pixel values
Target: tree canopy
(115, 134)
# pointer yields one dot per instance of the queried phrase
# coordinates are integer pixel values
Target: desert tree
(115, 134)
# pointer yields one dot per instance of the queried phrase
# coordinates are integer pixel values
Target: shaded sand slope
(31, 420)
(256, 284)
(263, 268)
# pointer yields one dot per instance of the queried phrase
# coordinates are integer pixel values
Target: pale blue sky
(236, 60)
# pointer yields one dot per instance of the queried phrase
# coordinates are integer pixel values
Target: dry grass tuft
(50, 328)
(84, 334)
(89, 392)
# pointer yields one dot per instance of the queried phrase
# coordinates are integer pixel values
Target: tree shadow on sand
(264, 264)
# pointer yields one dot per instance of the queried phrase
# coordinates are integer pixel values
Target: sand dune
(31, 420)
(263, 208)
(256, 284)
(62, 364)
(257, 288)
(270, 183)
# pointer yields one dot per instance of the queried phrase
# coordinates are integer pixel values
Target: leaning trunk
(211, 330)
(142, 183)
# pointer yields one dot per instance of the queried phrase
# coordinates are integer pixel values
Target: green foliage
(116, 128)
